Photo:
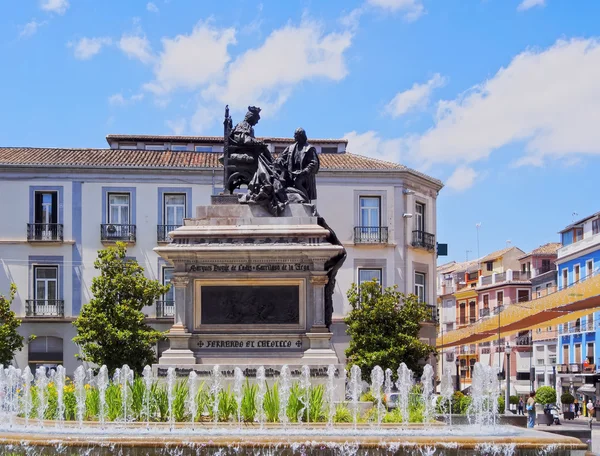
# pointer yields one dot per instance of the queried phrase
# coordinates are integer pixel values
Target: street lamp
(507, 398)
(457, 364)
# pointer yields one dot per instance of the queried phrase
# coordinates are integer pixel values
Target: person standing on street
(590, 409)
(576, 405)
(531, 410)
(520, 406)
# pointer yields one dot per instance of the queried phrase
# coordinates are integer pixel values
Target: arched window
(45, 351)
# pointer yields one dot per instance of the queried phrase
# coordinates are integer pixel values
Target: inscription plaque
(250, 304)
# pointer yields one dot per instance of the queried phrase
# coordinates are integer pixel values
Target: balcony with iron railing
(423, 239)
(370, 234)
(485, 312)
(587, 242)
(431, 314)
(165, 309)
(572, 328)
(110, 233)
(45, 232)
(162, 233)
(45, 308)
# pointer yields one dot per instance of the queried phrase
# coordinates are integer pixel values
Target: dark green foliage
(111, 328)
(567, 398)
(514, 400)
(10, 340)
(384, 329)
(545, 395)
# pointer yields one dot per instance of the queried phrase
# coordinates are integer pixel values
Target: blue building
(579, 340)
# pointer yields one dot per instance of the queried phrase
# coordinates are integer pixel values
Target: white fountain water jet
(13, 382)
(377, 379)
(447, 392)
(102, 382)
(60, 380)
(126, 379)
(170, 388)
(215, 389)
(192, 393)
(388, 384)
(79, 382)
(148, 380)
(355, 391)
(3, 397)
(238, 384)
(404, 386)
(41, 384)
(330, 393)
(284, 394)
(485, 391)
(27, 399)
(260, 395)
(305, 392)
(427, 383)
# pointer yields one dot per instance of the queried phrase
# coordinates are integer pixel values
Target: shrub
(567, 398)
(545, 395)
(514, 400)
(248, 407)
(342, 414)
(501, 404)
(271, 403)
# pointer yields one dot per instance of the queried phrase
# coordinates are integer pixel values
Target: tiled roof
(453, 266)
(208, 139)
(578, 223)
(547, 249)
(115, 158)
(499, 253)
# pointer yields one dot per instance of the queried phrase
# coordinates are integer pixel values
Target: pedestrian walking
(576, 405)
(590, 409)
(520, 406)
(531, 410)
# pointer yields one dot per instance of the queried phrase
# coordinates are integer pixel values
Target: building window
(367, 275)
(420, 286)
(576, 273)
(522, 295)
(489, 266)
(565, 278)
(538, 292)
(419, 216)
(596, 226)
(46, 207)
(178, 148)
(45, 351)
(577, 354)
(174, 209)
(472, 312)
(370, 211)
(155, 147)
(565, 354)
(486, 301)
(203, 148)
(545, 266)
(463, 316)
(329, 150)
(590, 352)
(118, 208)
(500, 298)
(589, 268)
(46, 285)
(577, 234)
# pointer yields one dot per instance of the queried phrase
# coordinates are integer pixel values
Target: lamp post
(507, 398)
(457, 364)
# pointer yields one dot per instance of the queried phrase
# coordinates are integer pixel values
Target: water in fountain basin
(27, 400)
(102, 382)
(447, 391)
(284, 394)
(238, 384)
(215, 388)
(377, 379)
(260, 394)
(79, 381)
(305, 392)
(192, 392)
(404, 385)
(427, 382)
(355, 391)
(41, 383)
(170, 387)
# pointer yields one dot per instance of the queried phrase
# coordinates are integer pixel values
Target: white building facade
(66, 204)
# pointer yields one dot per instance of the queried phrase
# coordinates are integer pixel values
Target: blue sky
(498, 98)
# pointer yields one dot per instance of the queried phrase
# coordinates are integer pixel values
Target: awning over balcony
(520, 389)
(559, 307)
(587, 389)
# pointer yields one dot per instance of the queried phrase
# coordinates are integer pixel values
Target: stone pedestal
(250, 288)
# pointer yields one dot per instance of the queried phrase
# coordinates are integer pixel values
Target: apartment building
(66, 204)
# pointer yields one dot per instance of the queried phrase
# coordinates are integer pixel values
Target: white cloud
(86, 48)
(152, 7)
(30, 28)
(526, 4)
(177, 125)
(190, 61)
(55, 6)
(267, 75)
(462, 178)
(119, 100)
(549, 100)
(416, 97)
(372, 145)
(136, 47)
(412, 9)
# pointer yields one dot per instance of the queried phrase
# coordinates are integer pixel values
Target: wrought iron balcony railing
(431, 313)
(162, 232)
(484, 312)
(112, 233)
(423, 239)
(165, 309)
(370, 234)
(45, 308)
(45, 232)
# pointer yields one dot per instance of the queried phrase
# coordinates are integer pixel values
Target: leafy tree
(567, 398)
(383, 326)
(545, 395)
(10, 340)
(111, 328)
